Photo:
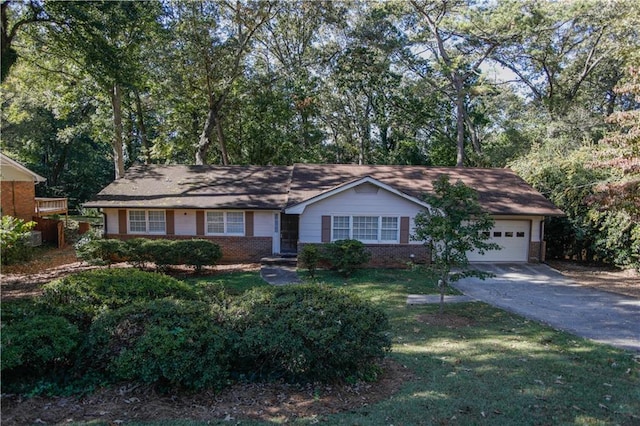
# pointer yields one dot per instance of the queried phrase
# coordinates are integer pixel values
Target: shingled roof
(500, 191)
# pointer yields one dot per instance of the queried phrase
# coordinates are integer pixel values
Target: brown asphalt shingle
(500, 191)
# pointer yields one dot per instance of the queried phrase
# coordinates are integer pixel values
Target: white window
(341, 227)
(365, 228)
(389, 230)
(147, 222)
(368, 229)
(225, 223)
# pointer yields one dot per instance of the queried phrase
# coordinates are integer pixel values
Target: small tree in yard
(454, 225)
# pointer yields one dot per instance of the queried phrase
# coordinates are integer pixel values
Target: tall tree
(459, 38)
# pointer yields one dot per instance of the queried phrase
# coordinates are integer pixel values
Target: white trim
(225, 223)
(379, 240)
(6, 160)
(146, 222)
(299, 208)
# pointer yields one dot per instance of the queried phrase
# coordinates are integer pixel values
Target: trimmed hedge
(80, 297)
(139, 251)
(38, 344)
(109, 325)
(346, 256)
(174, 343)
(309, 333)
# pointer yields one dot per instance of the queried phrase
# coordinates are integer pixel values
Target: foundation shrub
(310, 256)
(98, 251)
(308, 333)
(170, 343)
(346, 256)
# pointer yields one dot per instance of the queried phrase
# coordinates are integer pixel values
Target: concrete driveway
(543, 294)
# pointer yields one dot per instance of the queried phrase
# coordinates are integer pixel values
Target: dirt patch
(621, 281)
(268, 402)
(445, 320)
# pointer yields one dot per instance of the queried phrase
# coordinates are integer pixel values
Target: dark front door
(289, 233)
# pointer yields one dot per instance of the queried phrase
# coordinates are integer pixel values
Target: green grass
(501, 369)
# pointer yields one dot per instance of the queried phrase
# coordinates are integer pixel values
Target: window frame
(225, 223)
(147, 222)
(379, 228)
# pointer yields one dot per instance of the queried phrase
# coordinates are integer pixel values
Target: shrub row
(344, 256)
(139, 251)
(115, 325)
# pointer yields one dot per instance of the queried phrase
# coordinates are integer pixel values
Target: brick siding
(392, 255)
(18, 199)
(536, 252)
(234, 249)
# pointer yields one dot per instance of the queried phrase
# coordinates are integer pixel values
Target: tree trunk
(142, 128)
(212, 122)
(118, 155)
(222, 142)
(460, 115)
(205, 138)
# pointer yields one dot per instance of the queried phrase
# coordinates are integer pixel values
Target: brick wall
(393, 255)
(234, 249)
(536, 251)
(18, 199)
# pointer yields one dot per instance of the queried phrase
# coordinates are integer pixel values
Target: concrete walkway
(279, 271)
(543, 294)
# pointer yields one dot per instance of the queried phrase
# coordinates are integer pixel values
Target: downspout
(543, 247)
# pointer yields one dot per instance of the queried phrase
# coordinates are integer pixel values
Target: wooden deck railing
(47, 206)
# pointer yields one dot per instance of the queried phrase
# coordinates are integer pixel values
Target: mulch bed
(273, 402)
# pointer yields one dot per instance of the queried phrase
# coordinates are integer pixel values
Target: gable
(366, 191)
(11, 170)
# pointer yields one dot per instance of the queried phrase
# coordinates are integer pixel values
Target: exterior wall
(18, 199)
(11, 173)
(392, 255)
(350, 202)
(234, 249)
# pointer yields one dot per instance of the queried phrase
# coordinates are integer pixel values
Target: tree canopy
(532, 85)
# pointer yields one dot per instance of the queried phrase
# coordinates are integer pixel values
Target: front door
(289, 233)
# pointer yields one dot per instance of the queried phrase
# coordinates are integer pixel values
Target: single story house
(258, 211)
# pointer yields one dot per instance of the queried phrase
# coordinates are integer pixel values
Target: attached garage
(513, 236)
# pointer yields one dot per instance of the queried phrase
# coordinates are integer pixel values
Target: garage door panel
(513, 236)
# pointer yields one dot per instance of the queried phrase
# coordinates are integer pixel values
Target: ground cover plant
(474, 364)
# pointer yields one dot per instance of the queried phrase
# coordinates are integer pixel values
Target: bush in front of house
(346, 256)
(37, 345)
(170, 343)
(140, 251)
(309, 256)
(308, 333)
(14, 240)
(98, 251)
(80, 297)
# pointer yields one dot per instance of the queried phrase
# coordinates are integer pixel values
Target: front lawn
(473, 365)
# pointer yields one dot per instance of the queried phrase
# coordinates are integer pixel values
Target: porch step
(280, 260)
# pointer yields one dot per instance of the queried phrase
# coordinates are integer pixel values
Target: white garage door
(512, 236)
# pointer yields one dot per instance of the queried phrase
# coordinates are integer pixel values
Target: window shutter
(248, 224)
(200, 222)
(170, 219)
(404, 230)
(122, 221)
(326, 229)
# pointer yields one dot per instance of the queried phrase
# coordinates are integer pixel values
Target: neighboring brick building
(18, 190)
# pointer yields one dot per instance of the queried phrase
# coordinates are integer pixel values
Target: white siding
(185, 222)
(113, 226)
(263, 223)
(9, 173)
(350, 202)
